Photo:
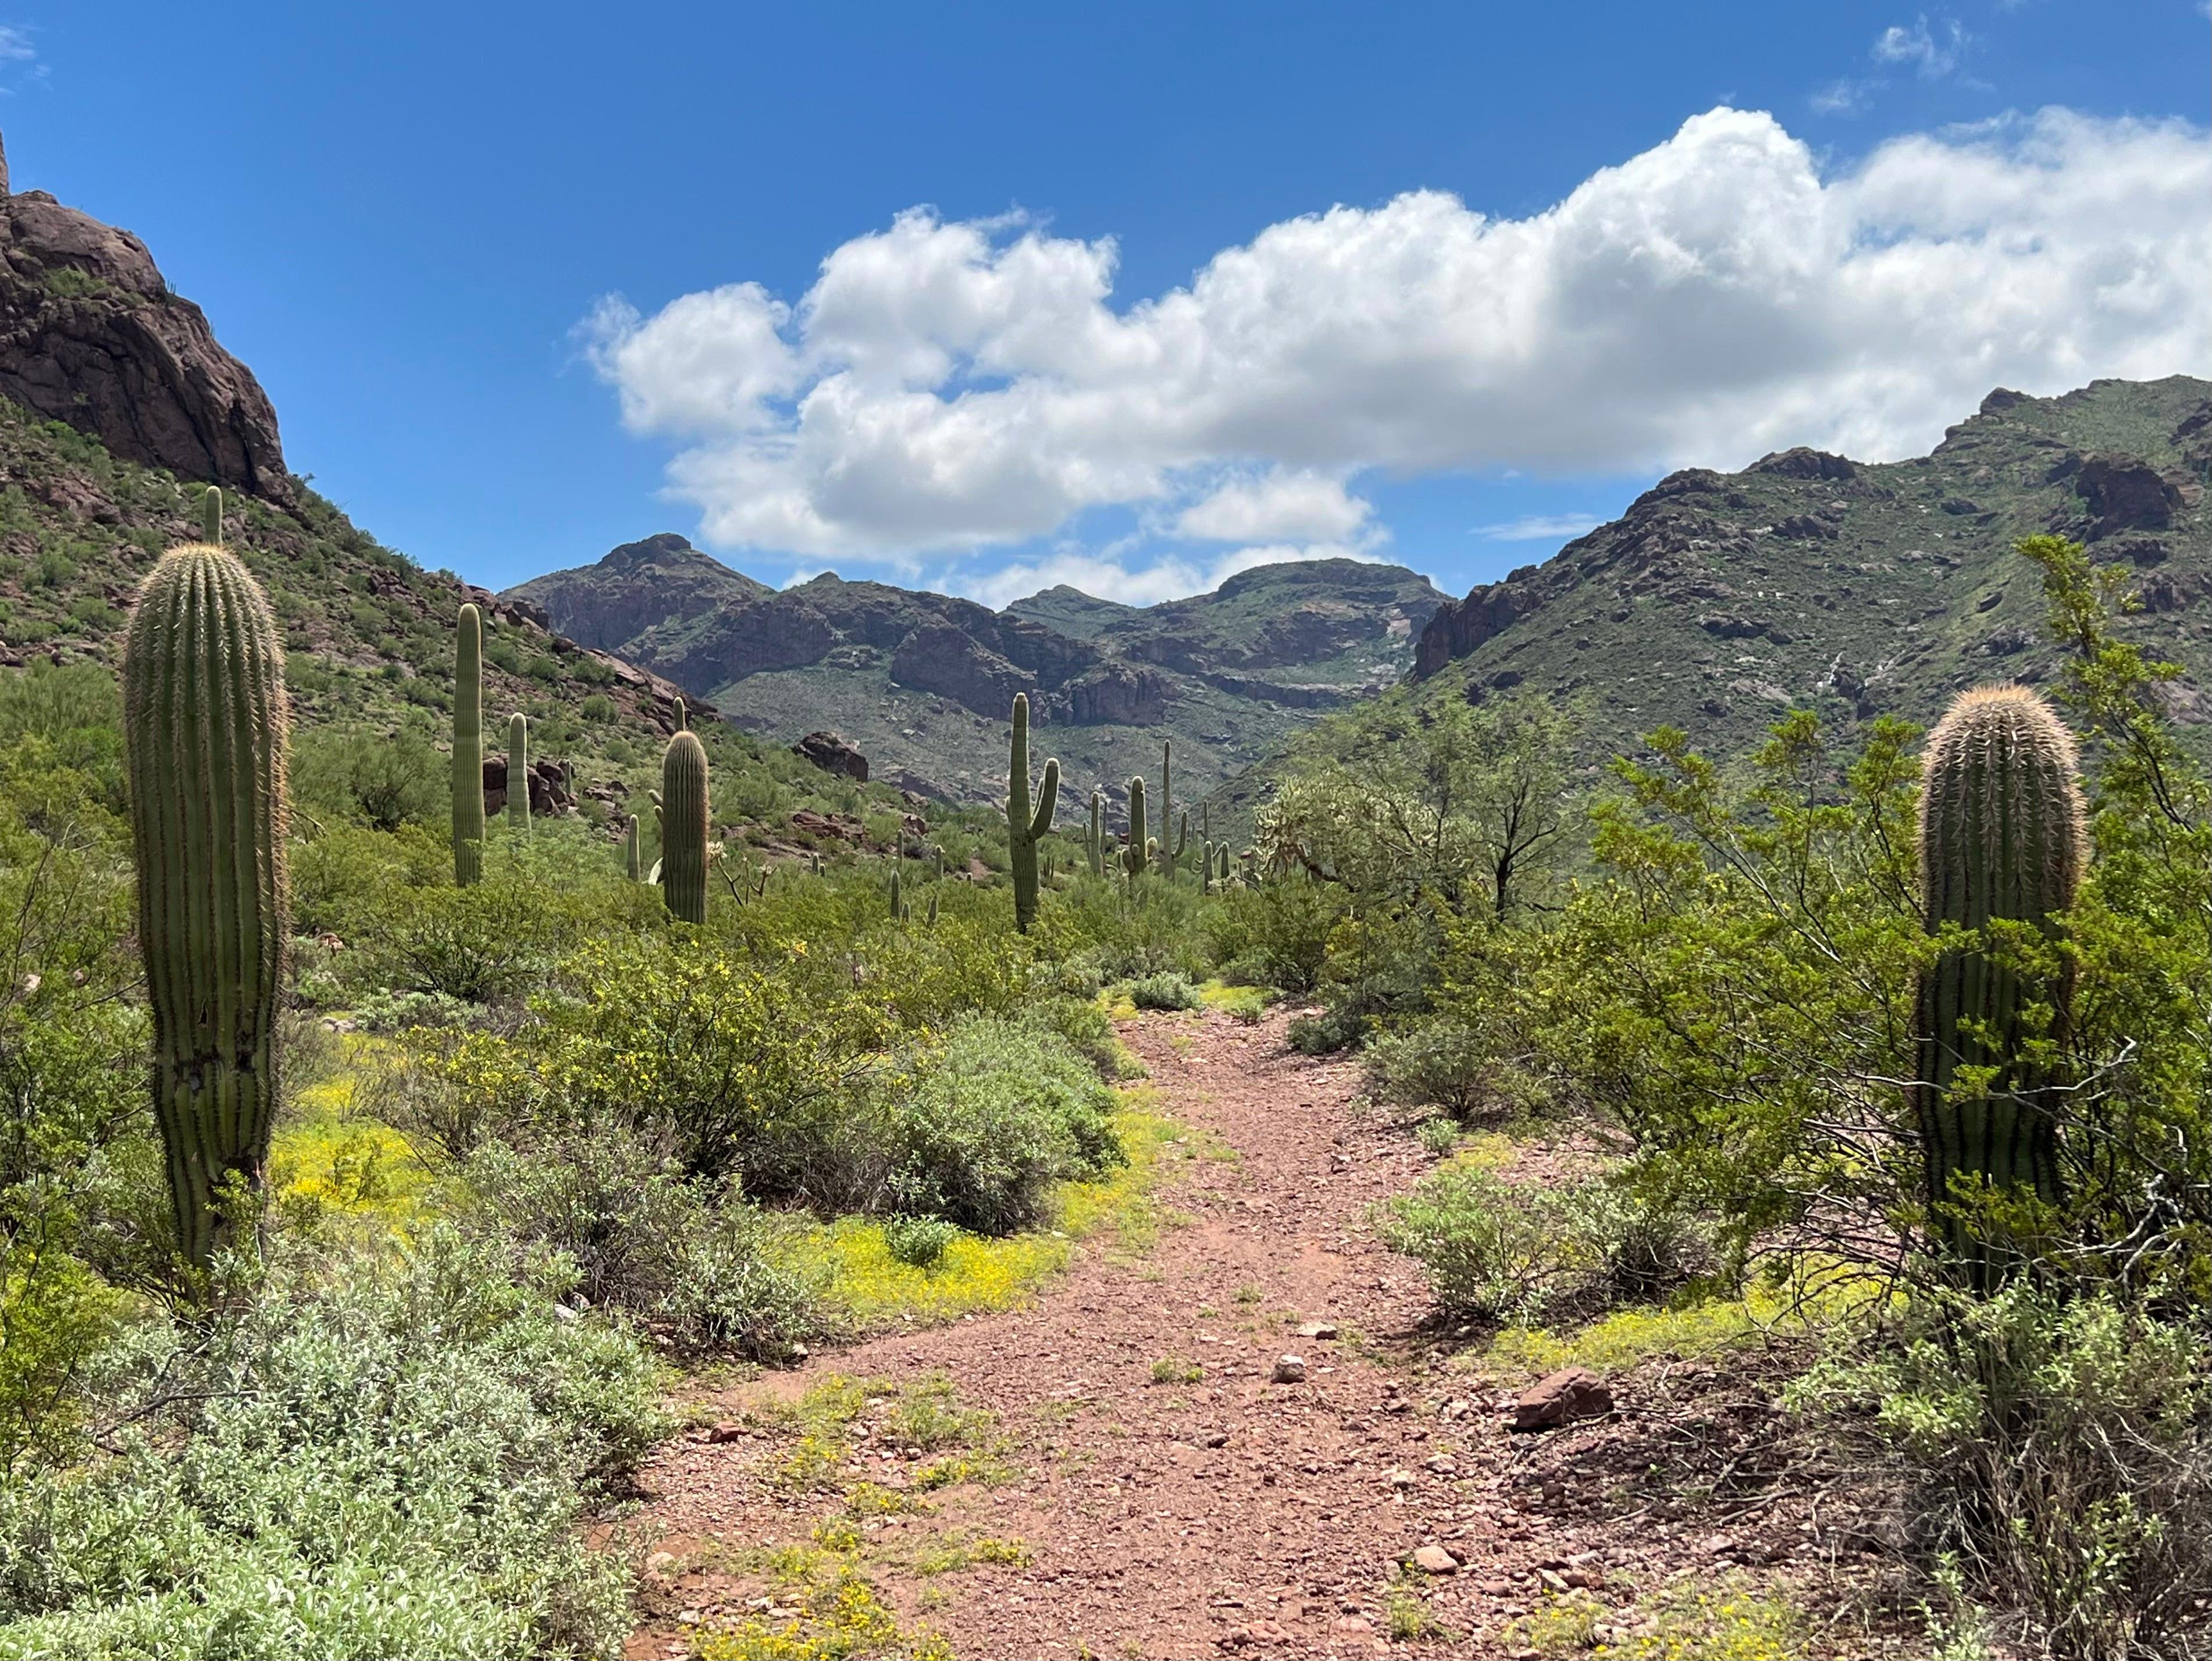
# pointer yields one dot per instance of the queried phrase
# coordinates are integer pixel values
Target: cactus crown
(2001, 832)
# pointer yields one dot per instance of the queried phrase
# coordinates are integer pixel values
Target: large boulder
(90, 334)
(833, 752)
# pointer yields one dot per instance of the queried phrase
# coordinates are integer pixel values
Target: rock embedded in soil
(1435, 1560)
(1290, 1370)
(1561, 1398)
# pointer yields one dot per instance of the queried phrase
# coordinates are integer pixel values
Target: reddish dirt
(1235, 1514)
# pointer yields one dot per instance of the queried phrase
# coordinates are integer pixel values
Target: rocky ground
(1251, 1438)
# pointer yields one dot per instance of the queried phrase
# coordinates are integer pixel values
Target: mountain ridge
(922, 681)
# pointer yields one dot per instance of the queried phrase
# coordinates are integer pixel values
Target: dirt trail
(1229, 1514)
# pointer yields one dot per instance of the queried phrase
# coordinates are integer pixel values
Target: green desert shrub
(360, 776)
(992, 1119)
(1325, 1033)
(1276, 934)
(350, 1457)
(918, 1242)
(1167, 991)
(684, 1256)
(1441, 1062)
(1509, 1251)
(2055, 1453)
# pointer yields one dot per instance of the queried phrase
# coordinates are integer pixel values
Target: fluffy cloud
(946, 387)
(1540, 527)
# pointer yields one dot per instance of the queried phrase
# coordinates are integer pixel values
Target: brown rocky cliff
(91, 335)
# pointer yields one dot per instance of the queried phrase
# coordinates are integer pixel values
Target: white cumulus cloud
(949, 386)
(1540, 527)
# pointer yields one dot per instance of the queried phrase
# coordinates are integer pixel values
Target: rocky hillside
(118, 409)
(1719, 600)
(922, 682)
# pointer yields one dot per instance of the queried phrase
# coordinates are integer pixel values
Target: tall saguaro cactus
(633, 855)
(1136, 854)
(2001, 838)
(1170, 852)
(1094, 841)
(468, 747)
(205, 724)
(1023, 825)
(684, 827)
(517, 771)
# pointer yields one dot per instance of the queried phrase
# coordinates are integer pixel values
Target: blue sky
(525, 282)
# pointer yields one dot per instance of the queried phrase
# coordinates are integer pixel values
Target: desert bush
(918, 1242)
(1325, 1033)
(360, 777)
(685, 1256)
(1441, 1063)
(1509, 1251)
(2056, 1452)
(1167, 991)
(992, 1120)
(1126, 929)
(1275, 935)
(359, 1456)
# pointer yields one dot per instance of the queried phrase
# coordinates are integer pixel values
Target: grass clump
(1175, 1370)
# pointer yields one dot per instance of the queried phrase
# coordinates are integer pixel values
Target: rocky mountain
(921, 682)
(1719, 600)
(119, 408)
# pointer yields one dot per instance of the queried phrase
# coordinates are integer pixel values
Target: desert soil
(1235, 1514)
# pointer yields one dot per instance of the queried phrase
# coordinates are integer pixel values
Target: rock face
(832, 753)
(91, 335)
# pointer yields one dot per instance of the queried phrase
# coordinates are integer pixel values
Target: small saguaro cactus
(468, 747)
(683, 717)
(633, 862)
(1137, 838)
(517, 771)
(1094, 841)
(898, 897)
(931, 918)
(1205, 867)
(1170, 853)
(211, 516)
(204, 726)
(1023, 825)
(684, 827)
(2001, 837)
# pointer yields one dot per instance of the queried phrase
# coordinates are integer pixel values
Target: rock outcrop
(833, 753)
(90, 334)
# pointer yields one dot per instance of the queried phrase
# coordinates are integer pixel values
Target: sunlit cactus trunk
(632, 854)
(684, 817)
(517, 771)
(1023, 825)
(468, 747)
(205, 720)
(2001, 837)
(1094, 841)
(1133, 855)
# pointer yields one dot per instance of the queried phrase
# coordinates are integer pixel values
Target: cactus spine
(2001, 837)
(1094, 841)
(1024, 826)
(468, 747)
(633, 855)
(1138, 848)
(204, 722)
(684, 827)
(517, 771)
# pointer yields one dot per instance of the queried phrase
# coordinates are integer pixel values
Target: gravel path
(1228, 1514)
